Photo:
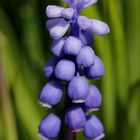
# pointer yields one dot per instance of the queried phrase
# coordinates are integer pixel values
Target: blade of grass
(119, 50)
(25, 107)
(6, 103)
(134, 113)
(133, 35)
(31, 34)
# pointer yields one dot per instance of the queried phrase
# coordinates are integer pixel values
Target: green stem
(70, 135)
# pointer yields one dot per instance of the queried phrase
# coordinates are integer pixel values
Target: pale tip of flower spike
(78, 101)
(53, 11)
(99, 27)
(88, 3)
(78, 130)
(67, 13)
(45, 105)
(99, 137)
(84, 22)
(57, 27)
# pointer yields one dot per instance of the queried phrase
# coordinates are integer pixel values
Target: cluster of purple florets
(73, 62)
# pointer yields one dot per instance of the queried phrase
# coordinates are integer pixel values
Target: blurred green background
(24, 50)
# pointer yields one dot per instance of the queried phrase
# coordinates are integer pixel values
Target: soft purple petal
(57, 47)
(86, 37)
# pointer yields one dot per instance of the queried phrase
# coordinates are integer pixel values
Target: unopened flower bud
(65, 70)
(72, 46)
(88, 3)
(57, 27)
(99, 27)
(53, 11)
(84, 22)
(67, 13)
(97, 70)
(86, 57)
(57, 47)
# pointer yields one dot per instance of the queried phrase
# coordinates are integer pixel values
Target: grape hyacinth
(73, 63)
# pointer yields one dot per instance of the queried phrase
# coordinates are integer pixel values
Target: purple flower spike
(94, 99)
(97, 70)
(88, 3)
(68, 13)
(57, 27)
(50, 66)
(54, 11)
(57, 47)
(99, 27)
(86, 57)
(78, 89)
(93, 128)
(72, 46)
(73, 61)
(75, 118)
(51, 94)
(65, 70)
(84, 22)
(50, 127)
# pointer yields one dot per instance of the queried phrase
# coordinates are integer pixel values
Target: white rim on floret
(93, 109)
(78, 101)
(99, 137)
(45, 105)
(43, 138)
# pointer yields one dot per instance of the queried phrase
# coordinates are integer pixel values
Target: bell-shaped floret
(51, 94)
(86, 57)
(78, 89)
(72, 46)
(50, 127)
(94, 99)
(65, 70)
(93, 128)
(97, 70)
(75, 118)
